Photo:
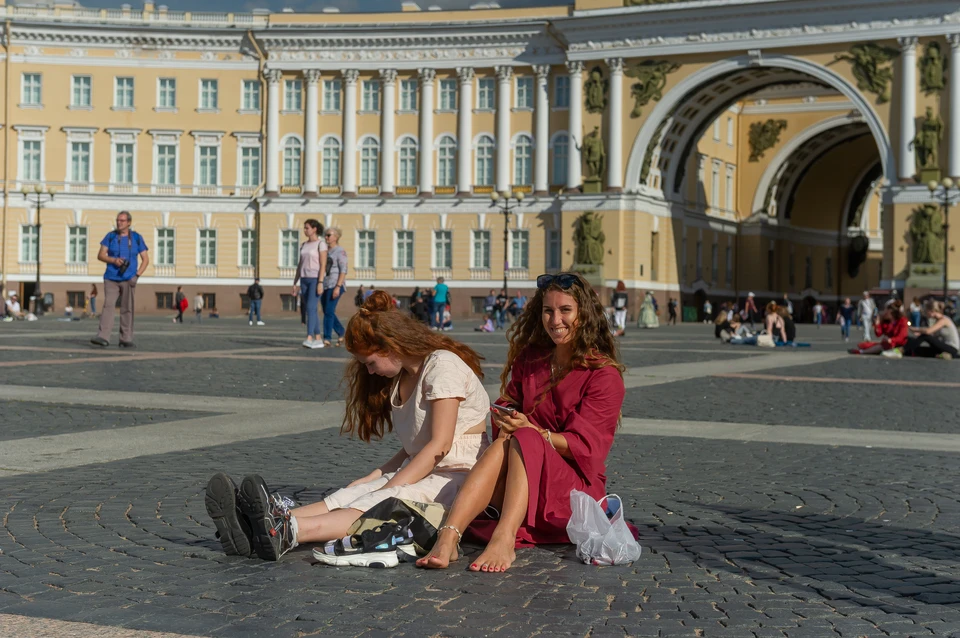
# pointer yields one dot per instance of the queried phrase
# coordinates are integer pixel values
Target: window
(209, 301)
(404, 249)
(408, 95)
(291, 162)
(714, 263)
(123, 93)
(443, 249)
(331, 95)
(80, 162)
(655, 257)
(369, 162)
(481, 249)
(701, 179)
(524, 92)
(447, 162)
(30, 89)
(716, 130)
(331, 162)
(408, 162)
(770, 264)
(251, 96)
(561, 92)
(77, 245)
(728, 265)
(715, 186)
(80, 95)
(168, 94)
(208, 94)
(561, 154)
(208, 247)
(485, 150)
(31, 161)
(553, 249)
(289, 303)
(166, 164)
(366, 249)
(208, 166)
(523, 161)
(683, 258)
(289, 248)
(371, 95)
(249, 165)
(699, 270)
(791, 274)
(730, 131)
(292, 95)
(248, 247)
(485, 94)
(828, 273)
(448, 95)
(520, 249)
(807, 272)
(28, 243)
(165, 301)
(728, 193)
(77, 298)
(165, 247)
(123, 163)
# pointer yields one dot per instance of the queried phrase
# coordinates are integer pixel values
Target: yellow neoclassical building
(772, 146)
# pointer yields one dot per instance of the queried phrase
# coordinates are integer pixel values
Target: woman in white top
(313, 253)
(403, 377)
(939, 339)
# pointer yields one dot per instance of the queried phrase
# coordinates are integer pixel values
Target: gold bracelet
(459, 535)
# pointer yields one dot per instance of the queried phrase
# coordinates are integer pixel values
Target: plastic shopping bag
(600, 540)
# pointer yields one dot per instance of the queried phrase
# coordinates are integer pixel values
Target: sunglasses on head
(563, 280)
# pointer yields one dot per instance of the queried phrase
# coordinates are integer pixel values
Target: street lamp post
(38, 194)
(503, 200)
(941, 191)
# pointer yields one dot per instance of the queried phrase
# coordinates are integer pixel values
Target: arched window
(369, 163)
(523, 161)
(485, 151)
(331, 162)
(446, 162)
(561, 155)
(408, 162)
(291, 162)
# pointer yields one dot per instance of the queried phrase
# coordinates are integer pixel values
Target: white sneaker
(370, 559)
(251, 323)
(316, 343)
(893, 353)
(307, 343)
(260, 323)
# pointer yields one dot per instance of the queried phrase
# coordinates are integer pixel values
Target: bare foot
(443, 553)
(497, 557)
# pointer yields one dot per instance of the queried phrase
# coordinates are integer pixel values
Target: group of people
(432, 306)
(737, 328)
(896, 336)
(561, 392)
(499, 309)
(319, 281)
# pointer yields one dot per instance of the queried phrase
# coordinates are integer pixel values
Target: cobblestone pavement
(741, 538)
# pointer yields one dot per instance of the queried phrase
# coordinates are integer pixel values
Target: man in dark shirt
(500, 309)
(255, 295)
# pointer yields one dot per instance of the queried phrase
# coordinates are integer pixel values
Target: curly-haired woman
(564, 380)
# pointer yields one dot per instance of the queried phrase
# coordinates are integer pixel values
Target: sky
(313, 6)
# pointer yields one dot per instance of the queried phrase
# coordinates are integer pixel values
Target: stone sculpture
(651, 76)
(595, 90)
(926, 231)
(589, 239)
(927, 142)
(764, 136)
(868, 61)
(931, 70)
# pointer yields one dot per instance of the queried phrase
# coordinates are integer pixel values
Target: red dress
(896, 332)
(585, 408)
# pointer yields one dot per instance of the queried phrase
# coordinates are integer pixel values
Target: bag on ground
(600, 540)
(765, 341)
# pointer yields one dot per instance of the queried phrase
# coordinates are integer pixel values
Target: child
(447, 318)
(403, 376)
(487, 325)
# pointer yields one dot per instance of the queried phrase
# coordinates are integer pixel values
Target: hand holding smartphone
(503, 409)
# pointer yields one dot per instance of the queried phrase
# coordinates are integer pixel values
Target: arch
(479, 137)
(442, 138)
(520, 134)
(368, 138)
(329, 136)
(407, 137)
(558, 135)
(286, 139)
(664, 109)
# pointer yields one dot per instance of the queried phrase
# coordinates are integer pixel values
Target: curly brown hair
(379, 328)
(593, 343)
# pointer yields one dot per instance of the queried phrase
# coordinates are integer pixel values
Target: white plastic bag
(600, 541)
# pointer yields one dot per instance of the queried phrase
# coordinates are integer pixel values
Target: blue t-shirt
(128, 248)
(440, 293)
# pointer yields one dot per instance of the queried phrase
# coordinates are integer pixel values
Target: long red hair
(379, 328)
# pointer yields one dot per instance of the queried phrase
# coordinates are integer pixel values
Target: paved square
(777, 492)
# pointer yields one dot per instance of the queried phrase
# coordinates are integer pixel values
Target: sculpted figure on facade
(931, 70)
(926, 231)
(595, 91)
(648, 155)
(927, 141)
(651, 76)
(589, 239)
(869, 62)
(593, 154)
(764, 136)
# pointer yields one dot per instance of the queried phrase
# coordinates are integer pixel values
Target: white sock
(293, 531)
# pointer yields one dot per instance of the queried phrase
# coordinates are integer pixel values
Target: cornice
(107, 36)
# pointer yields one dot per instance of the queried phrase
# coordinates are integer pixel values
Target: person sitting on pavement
(561, 394)
(487, 325)
(891, 328)
(789, 332)
(404, 378)
(13, 307)
(939, 339)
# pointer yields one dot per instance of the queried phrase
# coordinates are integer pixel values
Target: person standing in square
(125, 253)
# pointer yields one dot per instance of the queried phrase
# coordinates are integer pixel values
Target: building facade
(777, 146)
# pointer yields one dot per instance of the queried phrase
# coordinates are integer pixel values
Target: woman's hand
(372, 476)
(511, 423)
(296, 290)
(320, 289)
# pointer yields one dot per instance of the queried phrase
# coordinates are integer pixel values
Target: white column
(312, 77)
(503, 182)
(541, 159)
(349, 159)
(615, 137)
(465, 134)
(908, 107)
(387, 135)
(576, 125)
(953, 126)
(273, 131)
(427, 77)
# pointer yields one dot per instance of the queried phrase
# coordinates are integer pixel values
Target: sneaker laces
(281, 505)
(282, 527)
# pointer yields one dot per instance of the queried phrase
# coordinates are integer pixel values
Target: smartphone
(503, 409)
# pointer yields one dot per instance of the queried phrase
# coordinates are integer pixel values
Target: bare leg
(474, 496)
(313, 509)
(326, 527)
(500, 554)
(877, 349)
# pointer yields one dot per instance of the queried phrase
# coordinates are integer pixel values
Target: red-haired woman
(892, 330)
(404, 378)
(563, 380)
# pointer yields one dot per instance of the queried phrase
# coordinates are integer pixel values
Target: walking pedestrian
(125, 253)
(500, 309)
(93, 300)
(313, 253)
(180, 301)
(255, 295)
(915, 313)
(707, 311)
(845, 318)
(672, 312)
(750, 312)
(787, 304)
(867, 308)
(619, 303)
(198, 307)
(817, 314)
(334, 277)
(441, 296)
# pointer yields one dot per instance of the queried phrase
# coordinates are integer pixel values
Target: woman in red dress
(892, 330)
(564, 379)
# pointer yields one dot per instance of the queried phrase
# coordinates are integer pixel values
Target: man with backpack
(125, 253)
(255, 295)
